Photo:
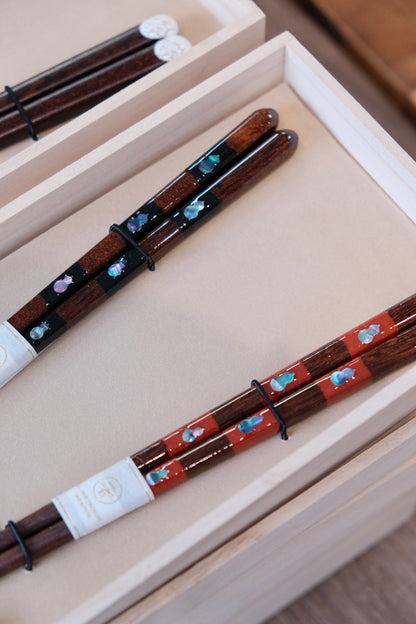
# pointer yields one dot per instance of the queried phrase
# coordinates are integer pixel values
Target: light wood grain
(376, 588)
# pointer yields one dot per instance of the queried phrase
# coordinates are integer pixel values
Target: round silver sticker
(158, 26)
(170, 47)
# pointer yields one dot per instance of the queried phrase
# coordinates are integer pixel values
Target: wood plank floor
(380, 586)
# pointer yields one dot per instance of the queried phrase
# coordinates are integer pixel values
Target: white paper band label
(169, 48)
(103, 498)
(158, 26)
(15, 352)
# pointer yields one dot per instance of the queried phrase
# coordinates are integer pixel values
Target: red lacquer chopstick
(288, 380)
(356, 342)
(92, 88)
(90, 60)
(244, 434)
(214, 162)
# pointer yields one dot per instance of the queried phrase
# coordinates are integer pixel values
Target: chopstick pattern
(332, 387)
(209, 166)
(326, 390)
(274, 150)
(336, 353)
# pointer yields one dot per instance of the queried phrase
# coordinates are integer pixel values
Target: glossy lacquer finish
(243, 434)
(75, 67)
(274, 150)
(44, 527)
(334, 354)
(214, 162)
(81, 93)
(328, 389)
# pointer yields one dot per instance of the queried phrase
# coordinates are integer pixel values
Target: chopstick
(327, 389)
(207, 167)
(274, 150)
(354, 343)
(363, 338)
(92, 59)
(89, 89)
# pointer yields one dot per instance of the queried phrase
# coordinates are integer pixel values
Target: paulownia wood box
(37, 35)
(318, 246)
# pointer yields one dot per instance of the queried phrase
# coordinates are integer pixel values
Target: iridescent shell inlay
(190, 435)
(367, 335)
(340, 377)
(155, 476)
(193, 210)
(208, 164)
(116, 269)
(136, 223)
(61, 285)
(279, 383)
(249, 424)
(37, 332)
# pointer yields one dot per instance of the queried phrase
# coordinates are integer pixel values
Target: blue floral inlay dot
(207, 165)
(279, 383)
(340, 377)
(156, 475)
(116, 269)
(193, 210)
(136, 223)
(37, 332)
(249, 424)
(366, 335)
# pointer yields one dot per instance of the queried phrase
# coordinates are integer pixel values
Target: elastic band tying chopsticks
(271, 407)
(22, 544)
(12, 95)
(132, 242)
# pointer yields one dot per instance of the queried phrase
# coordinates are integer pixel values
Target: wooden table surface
(379, 586)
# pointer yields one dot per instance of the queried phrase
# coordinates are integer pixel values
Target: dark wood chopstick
(214, 162)
(330, 388)
(83, 63)
(271, 152)
(80, 93)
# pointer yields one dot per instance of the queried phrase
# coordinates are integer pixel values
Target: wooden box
(36, 36)
(291, 550)
(320, 245)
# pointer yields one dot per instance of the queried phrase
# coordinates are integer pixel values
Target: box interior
(309, 252)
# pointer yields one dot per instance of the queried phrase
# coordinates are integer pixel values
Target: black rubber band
(271, 407)
(12, 95)
(130, 240)
(22, 544)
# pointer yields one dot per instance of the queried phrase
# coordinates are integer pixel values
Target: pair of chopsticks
(339, 368)
(241, 157)
(89, 77)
